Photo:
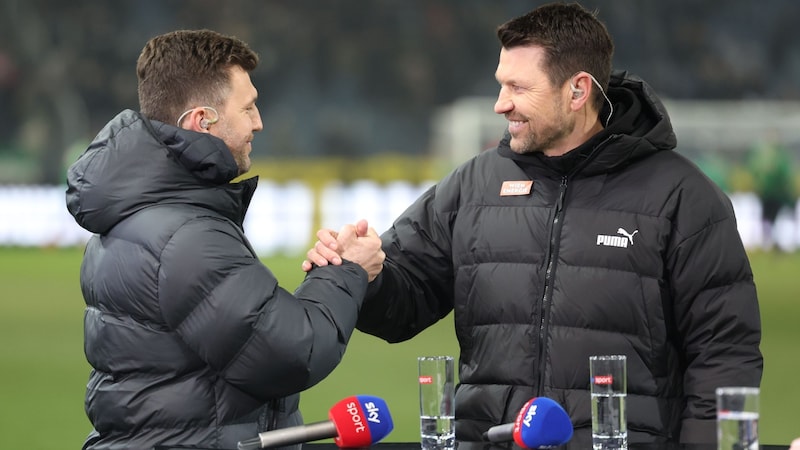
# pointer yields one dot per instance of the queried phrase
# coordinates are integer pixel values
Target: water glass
(436, 402)
(608, 391)
(737, 418)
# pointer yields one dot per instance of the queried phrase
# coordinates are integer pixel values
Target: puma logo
(626, 234)
(617, 241)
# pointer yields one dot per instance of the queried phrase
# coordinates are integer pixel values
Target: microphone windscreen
(360, 421)
(542, 422)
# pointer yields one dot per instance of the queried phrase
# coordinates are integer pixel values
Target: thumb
(347, 232)
(361, 228)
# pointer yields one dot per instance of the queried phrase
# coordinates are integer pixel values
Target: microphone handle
(292, 435)
(298, 435)
(500, 433)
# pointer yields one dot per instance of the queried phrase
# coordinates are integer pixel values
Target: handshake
(357, 242)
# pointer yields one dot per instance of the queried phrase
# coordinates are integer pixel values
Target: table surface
(415, 446)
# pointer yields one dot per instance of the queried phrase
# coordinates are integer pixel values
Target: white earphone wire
(210, 121)
(610, 105)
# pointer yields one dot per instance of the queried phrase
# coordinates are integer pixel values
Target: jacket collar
(134, 163)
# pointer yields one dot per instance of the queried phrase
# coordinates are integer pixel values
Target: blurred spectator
(770, 164)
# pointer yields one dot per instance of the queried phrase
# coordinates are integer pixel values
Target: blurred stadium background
(365, 104)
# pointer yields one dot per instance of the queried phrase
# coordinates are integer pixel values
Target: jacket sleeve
(715, 306)
(230, 311)
(415, 288)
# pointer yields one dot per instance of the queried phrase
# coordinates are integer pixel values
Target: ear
(196, 120)
(580, 88)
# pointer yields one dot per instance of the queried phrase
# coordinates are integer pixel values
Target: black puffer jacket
(622, 246)
(190, 337)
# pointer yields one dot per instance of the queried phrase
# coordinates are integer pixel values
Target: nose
(257, 124)
(503, 103)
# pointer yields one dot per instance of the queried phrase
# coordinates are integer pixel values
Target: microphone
(541, 423)
(354, 422)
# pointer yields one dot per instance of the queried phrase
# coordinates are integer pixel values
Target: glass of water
(436, 402)
(737, 418)
(609, 384)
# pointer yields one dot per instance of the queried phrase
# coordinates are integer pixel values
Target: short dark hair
(186, 68)
(573, 39)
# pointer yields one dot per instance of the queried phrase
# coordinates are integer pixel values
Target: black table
(415, 446)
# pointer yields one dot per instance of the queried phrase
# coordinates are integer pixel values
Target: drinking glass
(436, 402)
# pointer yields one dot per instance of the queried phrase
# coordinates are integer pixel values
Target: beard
(242, 162)
(239, 149)
(547, 136)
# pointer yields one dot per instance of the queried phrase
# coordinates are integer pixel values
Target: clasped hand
(357, 242)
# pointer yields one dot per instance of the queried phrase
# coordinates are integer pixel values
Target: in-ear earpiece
(576, 93)
(204, 122)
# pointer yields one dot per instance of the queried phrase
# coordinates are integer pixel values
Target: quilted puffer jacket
(191, 339)
(620, 246)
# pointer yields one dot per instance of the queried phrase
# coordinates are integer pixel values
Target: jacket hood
(134, 163)
(638, 127)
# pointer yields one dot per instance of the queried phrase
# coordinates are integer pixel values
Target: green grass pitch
(43, 372)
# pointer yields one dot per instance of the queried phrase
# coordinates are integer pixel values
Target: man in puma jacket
(620, 246)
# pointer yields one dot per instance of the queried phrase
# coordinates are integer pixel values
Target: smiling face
(239, 118)
(538, 113)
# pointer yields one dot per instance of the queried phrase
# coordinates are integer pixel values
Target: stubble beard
(546, 139)
(239, 152)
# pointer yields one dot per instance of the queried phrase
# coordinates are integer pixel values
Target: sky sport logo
(602, 379)
(425, 379)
